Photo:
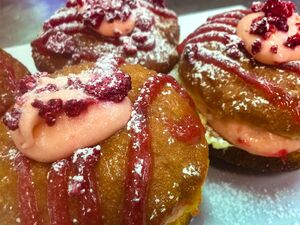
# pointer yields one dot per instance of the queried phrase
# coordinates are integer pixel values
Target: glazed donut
(126, 147)
(140, 31)
(11, 71)
(240, 69)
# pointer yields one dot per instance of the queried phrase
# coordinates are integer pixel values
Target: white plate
(231, 198)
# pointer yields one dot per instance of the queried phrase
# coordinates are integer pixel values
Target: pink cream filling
(254, 140)
(115, 28)
(265, 55)
(43, 143)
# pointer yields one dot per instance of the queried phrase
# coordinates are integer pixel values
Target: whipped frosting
(38, 141)
(278, 39)
(48, 132)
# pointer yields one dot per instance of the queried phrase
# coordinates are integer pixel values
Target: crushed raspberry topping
(49, 110)
(278, 8)
(274, 49)
(276, 12)
(74, 107)
(29, 82)
(95, 11)
(61, 43)
(48, 87)
(104, 82)
(293, 41)
(26, 84)
(113, 88)
(256, 47)
(11, 119)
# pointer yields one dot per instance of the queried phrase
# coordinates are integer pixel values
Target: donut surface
(177, 173)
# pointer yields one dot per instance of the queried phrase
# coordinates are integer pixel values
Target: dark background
(21, 20)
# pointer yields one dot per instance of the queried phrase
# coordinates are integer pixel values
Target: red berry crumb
(74, 107)
(293, 41)
(112, 88)
(234, 52)
(256, 47)
(274, 49)
(257, 6)
(279, 8)
(11, 119)
(130, 49)
(276, 14)
(49, 110)
(48, 87)
(26, 84)
(260, 26)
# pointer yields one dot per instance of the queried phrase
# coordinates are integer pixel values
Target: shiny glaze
(26, 192)
(84, 162)
(57, 193)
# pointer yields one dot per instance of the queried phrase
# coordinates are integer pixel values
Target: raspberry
(257, 6)
(279, 8)
(11, 119)
(274, 49)
(49, 110)
(256, 47)
(74, 107)
(26, 84)
(293, 41)
(48, 87)
(113, 88)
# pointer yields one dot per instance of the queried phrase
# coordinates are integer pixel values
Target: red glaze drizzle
(140, 164)
(215, 22)
(188, 130)
(234, 14)
(83, 163)
(58, 193)
(160, 11)
(225, 22)
(26, 192)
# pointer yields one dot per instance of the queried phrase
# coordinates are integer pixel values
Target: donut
(11, 71)
(242, 69)
(101, 142)
(140, 31)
